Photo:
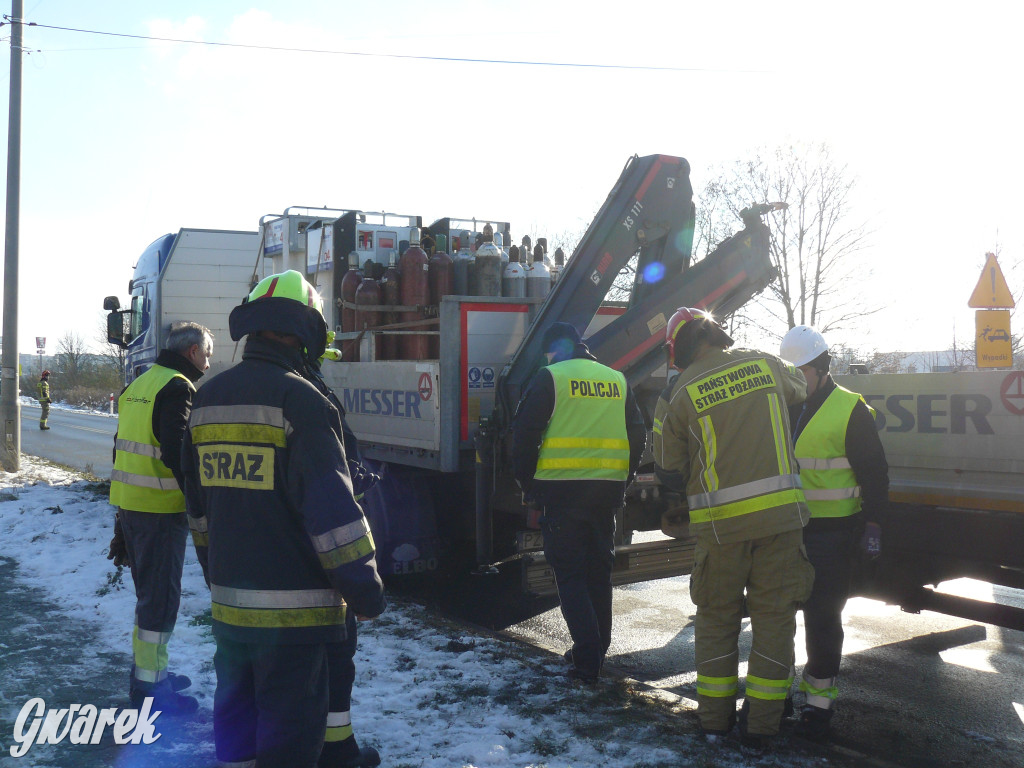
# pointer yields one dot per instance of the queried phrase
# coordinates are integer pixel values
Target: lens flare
(654, 272)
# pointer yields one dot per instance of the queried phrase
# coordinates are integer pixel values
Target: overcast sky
(127, 139)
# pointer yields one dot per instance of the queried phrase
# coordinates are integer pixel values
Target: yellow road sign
(992, 290)
(992, 345)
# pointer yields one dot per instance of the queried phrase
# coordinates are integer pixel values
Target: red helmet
(682, 316)
(44, 374)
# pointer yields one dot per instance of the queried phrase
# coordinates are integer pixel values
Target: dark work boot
(349, 756)
(814, 723)
(165, 699)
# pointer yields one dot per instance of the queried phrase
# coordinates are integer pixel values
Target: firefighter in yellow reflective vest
(846, 481)
(150, 529)
(721, 434)
(578, 439)
(44, 399)
(282, 541)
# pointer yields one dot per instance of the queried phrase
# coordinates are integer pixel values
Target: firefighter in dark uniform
(150, 528)
(846, 481)
(341, 750)
(44, 399)
(578, 438)
(285, 547)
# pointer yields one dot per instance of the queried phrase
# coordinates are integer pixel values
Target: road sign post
(993, 346)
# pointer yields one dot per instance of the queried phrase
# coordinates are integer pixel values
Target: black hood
(282, 315)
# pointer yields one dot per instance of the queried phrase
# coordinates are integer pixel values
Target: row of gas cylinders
(416, 282)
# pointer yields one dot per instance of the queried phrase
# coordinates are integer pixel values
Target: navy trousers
(832, 553)
(580, 548)
(271, 703)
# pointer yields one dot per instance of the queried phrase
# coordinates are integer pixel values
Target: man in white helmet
(845, 479)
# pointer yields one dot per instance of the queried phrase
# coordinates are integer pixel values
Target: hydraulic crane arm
(722, 282)
(649, 211)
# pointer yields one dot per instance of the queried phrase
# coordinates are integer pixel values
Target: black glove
(871, 540)
(362, 478)
(118, 551)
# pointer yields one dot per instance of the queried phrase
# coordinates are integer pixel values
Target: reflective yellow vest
(44, 391)
(586, 437)
(140, 480)
(830, 484)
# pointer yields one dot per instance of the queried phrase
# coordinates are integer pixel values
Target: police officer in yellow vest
(721, 434)
(44, 399)
(578, 439)
(150, 527)
(846, 482)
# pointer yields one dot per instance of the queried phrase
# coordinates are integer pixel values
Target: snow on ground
(429, 693)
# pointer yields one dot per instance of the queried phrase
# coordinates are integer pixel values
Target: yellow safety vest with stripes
(140, 481)
(586, 437)
(830, 484)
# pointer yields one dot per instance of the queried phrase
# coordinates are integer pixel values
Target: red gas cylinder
(391, 294)
(441, 276)
(415, 290)
(349, 284)
(368, 295)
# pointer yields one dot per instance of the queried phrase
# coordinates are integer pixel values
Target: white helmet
(801, 345)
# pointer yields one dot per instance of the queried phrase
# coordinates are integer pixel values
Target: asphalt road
(915, 690)
(77, 439)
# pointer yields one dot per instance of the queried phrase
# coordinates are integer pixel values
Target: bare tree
(814, 241)
(72, 361)
(112, 356)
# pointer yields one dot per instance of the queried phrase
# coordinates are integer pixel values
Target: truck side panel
(206, 275)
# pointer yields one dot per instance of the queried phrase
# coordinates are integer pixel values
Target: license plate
(530, 541)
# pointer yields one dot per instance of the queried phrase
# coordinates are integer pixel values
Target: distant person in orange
(44, 399)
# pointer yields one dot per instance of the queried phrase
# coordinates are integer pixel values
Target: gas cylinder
(390, 294)
(488, 265)
(513, 283)
(543, 243)
(441, 274)
(559, 265)
(538, 279)
(349, 285)
(462, 259)
(413, 269)
(499, 242)
(368, 295)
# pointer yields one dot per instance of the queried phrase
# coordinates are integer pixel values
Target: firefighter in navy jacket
(282, 541)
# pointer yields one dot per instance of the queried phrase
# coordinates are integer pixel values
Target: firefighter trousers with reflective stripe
(271, 703)
(339, 742)
(832, 553)
(156, 547)
(775, 575)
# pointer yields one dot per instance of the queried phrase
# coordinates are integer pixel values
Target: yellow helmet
(285, 303)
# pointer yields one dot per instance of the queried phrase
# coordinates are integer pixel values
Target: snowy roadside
(429, 692)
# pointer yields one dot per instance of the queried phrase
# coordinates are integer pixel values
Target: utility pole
(10, 408)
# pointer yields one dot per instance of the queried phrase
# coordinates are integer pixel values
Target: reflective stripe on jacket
(723, 427)
(830, 484)
(140, 480)
(586, 437)
(277, 530)
(44, 391)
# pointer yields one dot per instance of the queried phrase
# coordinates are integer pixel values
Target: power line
(577, 65)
